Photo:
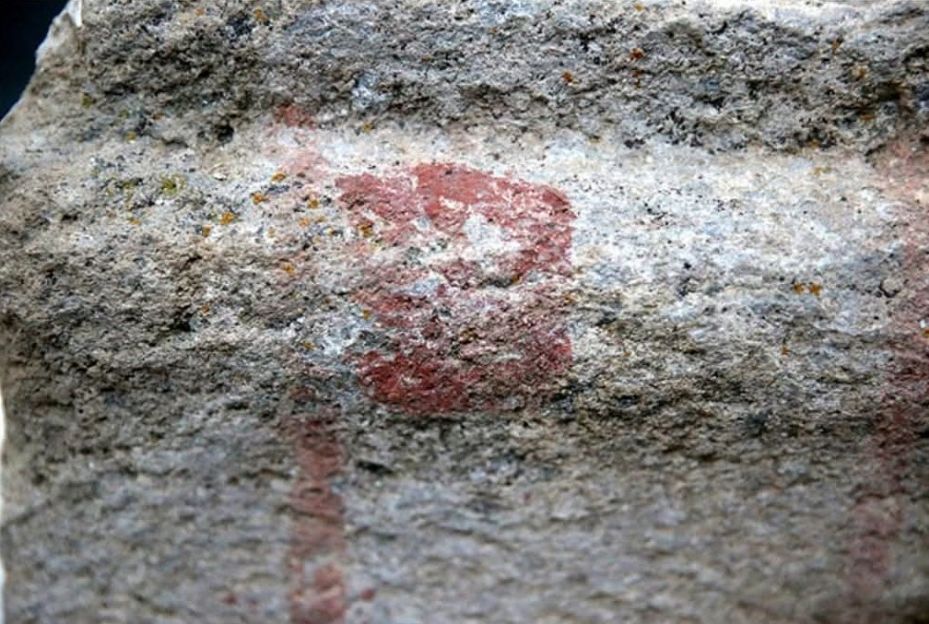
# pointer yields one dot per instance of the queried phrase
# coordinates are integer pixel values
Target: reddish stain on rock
(465, 274)
(294, 116)
(318, 546)
(881, 510)
(308, 164)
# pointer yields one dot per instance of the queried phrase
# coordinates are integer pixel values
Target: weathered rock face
(529, 311)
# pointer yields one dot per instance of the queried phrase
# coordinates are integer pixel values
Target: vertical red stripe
(318, 547)
(881, 509)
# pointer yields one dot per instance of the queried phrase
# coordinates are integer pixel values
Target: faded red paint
(882, 505)
(318, 547)
(294, 116)
(308, 164)
(317, 556)
(464, 326)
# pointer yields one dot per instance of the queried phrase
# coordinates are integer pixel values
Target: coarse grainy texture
(524, 311)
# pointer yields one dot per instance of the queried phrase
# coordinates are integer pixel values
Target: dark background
(23, 24)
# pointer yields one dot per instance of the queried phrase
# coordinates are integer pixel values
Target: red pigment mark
(317, 555)
(318, 546)
(880, 510)
(294, 116)
(293, 193)
(465, 274)
(304, 161)
(308, 164)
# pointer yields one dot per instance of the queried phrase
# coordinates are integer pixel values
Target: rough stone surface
(444, 312)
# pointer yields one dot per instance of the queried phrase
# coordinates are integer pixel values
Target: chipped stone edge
(63, 29)
(71, 17)
(2, 448)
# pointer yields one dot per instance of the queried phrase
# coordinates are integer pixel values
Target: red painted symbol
(294, 116)
(465, 275)
(318, 546)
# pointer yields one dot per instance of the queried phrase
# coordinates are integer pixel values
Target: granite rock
(548, 311)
